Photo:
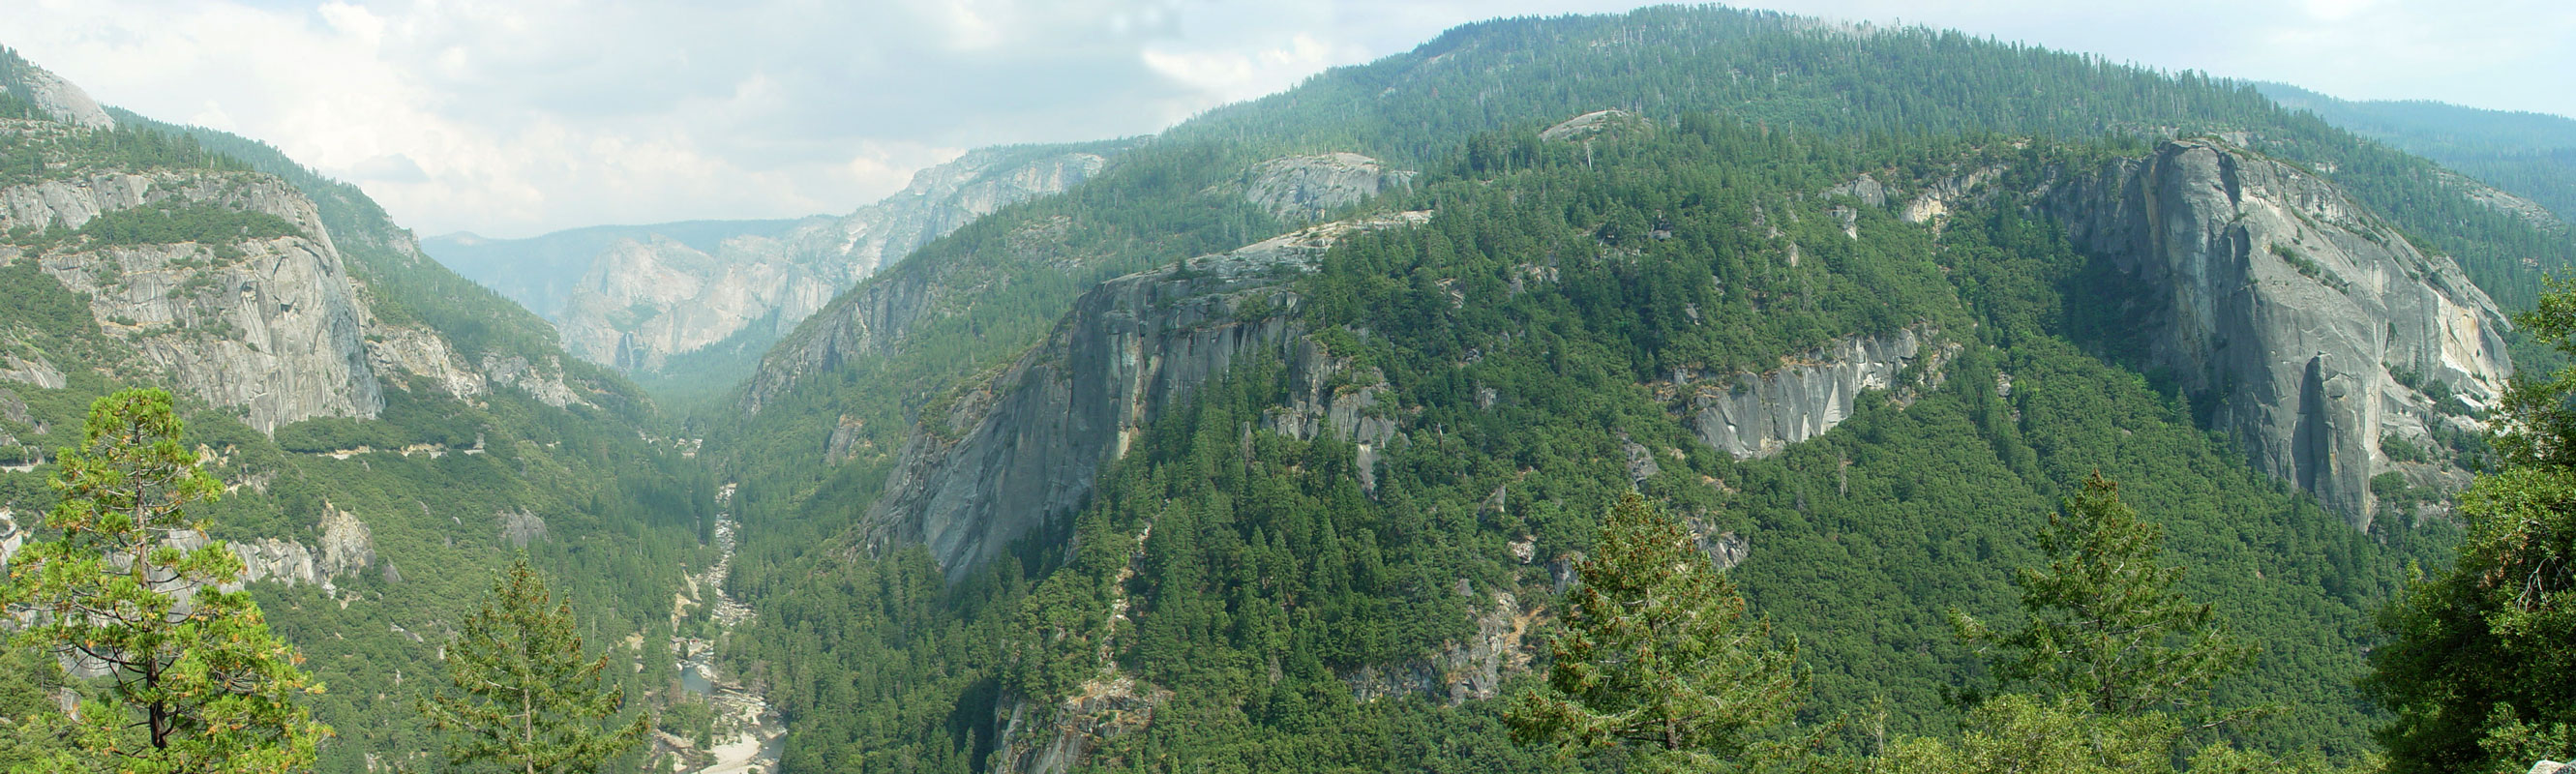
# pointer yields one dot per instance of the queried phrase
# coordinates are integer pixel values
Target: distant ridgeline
(1271, 441)
(388, 434)
(2531, 155)
(686, 308)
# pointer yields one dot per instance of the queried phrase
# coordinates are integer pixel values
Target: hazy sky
(515, 117)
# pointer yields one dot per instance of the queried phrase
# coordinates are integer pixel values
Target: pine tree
(1659, 661)
(2483, 663)
(199, 682)
(2105, 622)
(526, 699)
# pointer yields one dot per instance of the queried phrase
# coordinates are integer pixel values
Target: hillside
(387, 433)
(1283, 440)
(1890, 246)
(538, 272)
(2530, 156)
(685, 308)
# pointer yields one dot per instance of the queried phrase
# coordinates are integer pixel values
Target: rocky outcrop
(1023, 446)
(864, 324)
(56, 98)
(269, 325)
(644, 300)
(544, 384)
(1466, 669)
(1593, 124)
(2314, 328)
(1321, 398)
(1102, 710)
(1303, 188)
(424, 354)
(347, 545)
(2496, 199)
(345, 549)
(521, 527)
(33, 369)
(1752, 415)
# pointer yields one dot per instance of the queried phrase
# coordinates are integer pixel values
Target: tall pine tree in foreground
(2482, 672)
(2105, 623)
(1658, 662)
(199, 684)
(526, 699)
(2111, 670)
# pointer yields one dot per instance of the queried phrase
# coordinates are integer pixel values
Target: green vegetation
(1264, 549)
(613, 513)
(524, 696)
(1232, 596)
(2532, 155)
(1659, 664)
(2104, 622)
(200, 686)
(2480, 672)
(201, 223)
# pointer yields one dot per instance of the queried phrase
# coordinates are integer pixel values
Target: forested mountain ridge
(385, 433)
(1441, 402)
(686, 315)
(2007, 336)
(2531, 155)
(1478, 77)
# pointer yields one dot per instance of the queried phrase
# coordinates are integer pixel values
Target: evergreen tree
(1658, 661)
(526, 698)
(2483, 667)
(2105, 622)
(199, 682)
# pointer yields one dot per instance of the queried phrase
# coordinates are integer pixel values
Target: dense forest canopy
(1243, 590)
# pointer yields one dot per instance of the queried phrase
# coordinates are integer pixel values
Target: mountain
(539, 272)
(388, 434)
(2530, 156)
(634, 298)
(1159, 475)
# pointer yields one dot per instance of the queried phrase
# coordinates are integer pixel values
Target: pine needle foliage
(526, 698)
(199, 684)
(2482, 666)
(1659, 662)
(2105, 621)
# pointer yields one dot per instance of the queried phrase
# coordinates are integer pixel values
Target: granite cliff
(644, 299)
(1009, 453)
(270, 325)
(2310, 327)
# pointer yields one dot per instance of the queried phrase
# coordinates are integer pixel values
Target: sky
(512, 118)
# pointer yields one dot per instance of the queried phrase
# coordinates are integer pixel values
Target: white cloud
(512, 117)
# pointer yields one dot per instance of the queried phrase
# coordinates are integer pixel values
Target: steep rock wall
(2267, 292)
(1024, 446)
(1302, 188)
(272, 326)
(1752, 415)
(642, 301)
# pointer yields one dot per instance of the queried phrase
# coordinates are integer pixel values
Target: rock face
(1758, 415)
(1593, 124)
(1303, 188)
(2267, 292)
(1024, 446)
(423, 353)
(272, 325)
(57, 98)
(642, 301)
(1105, 709)
(1463, 670)
(345, 549)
